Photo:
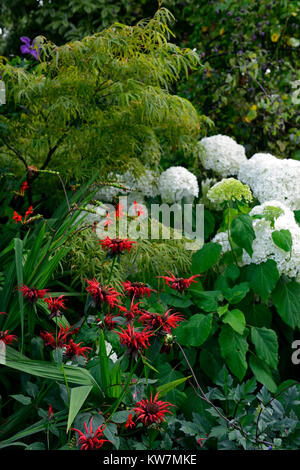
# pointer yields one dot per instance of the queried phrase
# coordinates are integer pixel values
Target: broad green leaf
(163, 389)
(175, 301)
(78, 397)
(234, 348)
(206, 257)
(258, 315)
(121, 416)
(242, 232)
(206, 300)
(266, 345)
(283, 239)
(237, 293)
(286, 298)
(236, 319)
(232, 272)
(47, 370)
(262, 373)
(263, 277)
(22, 399)
(195, 331)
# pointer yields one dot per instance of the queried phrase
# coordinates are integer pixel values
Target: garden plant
(114, 339)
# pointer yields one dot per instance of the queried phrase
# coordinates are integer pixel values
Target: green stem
(126, 386)
(111, 269)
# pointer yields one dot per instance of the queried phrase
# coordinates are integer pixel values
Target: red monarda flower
(3, 313)
(132, 313)
(55, 305)
(74, 349)
(116, 246)
(152, 411)
(158, 321)
(90, 440)
(102, 294)
(130, 423)
(134, 340)
(6, 338)
(31, 293)
(136, 289)
(62, 338)
(108, 322)
(180, 284)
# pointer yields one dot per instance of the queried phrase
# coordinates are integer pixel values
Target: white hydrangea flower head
(272, 178)
(263, 246)
(221, 154)
(146, 184)
(177, 183)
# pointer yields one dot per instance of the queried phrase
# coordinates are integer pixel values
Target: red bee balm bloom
(132, 313)
(102, 294)
(108, 322)
(179, 284)
(6, 338)
(90, 441)
(74, 349)
(55, 305)
(116, 246)
(31, 293)
(152, 411)
(136, 289)
(62, 337)
(135, 340)
(165, 322)
(130, 423)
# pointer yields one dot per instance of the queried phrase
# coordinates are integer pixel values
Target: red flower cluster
(152, 411)
(116, 246)
(108, 322)
(65, 341)
(102, 294)
(179, 284)
(136, 289)
(90, 440)
(135, 340)
(74, 349)
(55, 305)
(18, 218)
(158, 321)
(132, 313)
(6, 338)
(31, 293)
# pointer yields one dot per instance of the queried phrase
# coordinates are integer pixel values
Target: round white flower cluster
(221, 154)
(272, 178)
(146, 184)
(177, 183)
(275, 216)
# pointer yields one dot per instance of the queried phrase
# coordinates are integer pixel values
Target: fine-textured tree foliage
(100, 103)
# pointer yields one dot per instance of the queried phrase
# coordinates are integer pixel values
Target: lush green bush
(197, 358)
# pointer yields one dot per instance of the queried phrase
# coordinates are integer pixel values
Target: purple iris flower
(29, 48)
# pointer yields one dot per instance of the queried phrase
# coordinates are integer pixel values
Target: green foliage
(65, 112)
